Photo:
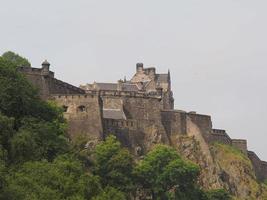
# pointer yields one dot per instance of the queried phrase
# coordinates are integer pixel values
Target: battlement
(258, 165)
(219, 135)
(121, 124)
(36, 71)
(134, 94)
(74, 96)
(240, 144)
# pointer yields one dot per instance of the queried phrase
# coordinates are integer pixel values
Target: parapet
(258, 165)
(240, 144)
(120, 124)
(134, 94)
(74, 96)
(219, 135)
(36, 71)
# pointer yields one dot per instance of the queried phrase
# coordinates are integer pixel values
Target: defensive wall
(146, 120)
(44, 80)
(83, 113)
(259, 166)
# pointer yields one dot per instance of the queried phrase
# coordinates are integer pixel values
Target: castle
(140, 111)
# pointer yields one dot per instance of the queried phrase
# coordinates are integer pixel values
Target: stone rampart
(174, 122)
(44, 80)
(257, 165)
(240, 144)
(264, 169)
(134, 94)
(219, 135)
(84, 114)
(119, 124)
(203, 122)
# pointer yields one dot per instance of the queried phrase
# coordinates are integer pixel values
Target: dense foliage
(16, 59)
(39, 162)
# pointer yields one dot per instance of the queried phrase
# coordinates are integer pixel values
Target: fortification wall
(44, 80)
(203, 122)
(84, 114)
(174, 122)
(240, 144)
(219, 135)
(264, 169)
(112, 102)
(257, 165)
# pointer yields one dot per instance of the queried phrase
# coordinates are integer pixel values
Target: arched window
(65, 108)
(81, 108)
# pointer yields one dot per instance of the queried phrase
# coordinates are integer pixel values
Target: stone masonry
(139, 111)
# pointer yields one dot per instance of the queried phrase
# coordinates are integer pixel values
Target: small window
(65, 108)
(81, 109)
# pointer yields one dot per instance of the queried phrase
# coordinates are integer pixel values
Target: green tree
(114, 164)
(63, 179)
(219, 194)
(18, 98)
(6, 131)
(37, 140)
(163, 170)
(16, 59)
(110, 193)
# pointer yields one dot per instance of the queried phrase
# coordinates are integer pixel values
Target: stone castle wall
(240, 144)
(258, 165)
(150, 117)
(44, 80)
(264, 170)
(83, 113)
(221, 136)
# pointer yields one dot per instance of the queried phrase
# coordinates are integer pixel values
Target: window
(65, 108)
(81, 109)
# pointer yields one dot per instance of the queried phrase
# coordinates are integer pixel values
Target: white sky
(216, 50)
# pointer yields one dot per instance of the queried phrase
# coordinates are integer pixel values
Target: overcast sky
(216, 50)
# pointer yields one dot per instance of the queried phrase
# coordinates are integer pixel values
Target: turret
(45, 68)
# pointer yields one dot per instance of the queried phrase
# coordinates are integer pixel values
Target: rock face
(140, 113)
(222, 166)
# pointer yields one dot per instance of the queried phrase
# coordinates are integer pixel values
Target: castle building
(139, 111)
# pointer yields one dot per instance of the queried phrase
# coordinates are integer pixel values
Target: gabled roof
(114, 86)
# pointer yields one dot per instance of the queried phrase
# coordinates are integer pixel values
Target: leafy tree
(16, 59)
(60, 180)
(163, 170)
(114, 164)
(18, 98)
(219, 194)
(6, 131)
(37, 140)
(110, 193)
(3, 169)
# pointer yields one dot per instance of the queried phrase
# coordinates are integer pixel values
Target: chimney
(139, 67)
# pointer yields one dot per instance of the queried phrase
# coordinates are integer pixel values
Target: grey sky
(216, 50)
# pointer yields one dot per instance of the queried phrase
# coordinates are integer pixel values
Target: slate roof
(114, 86)
(113, 114)
(107, 86)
